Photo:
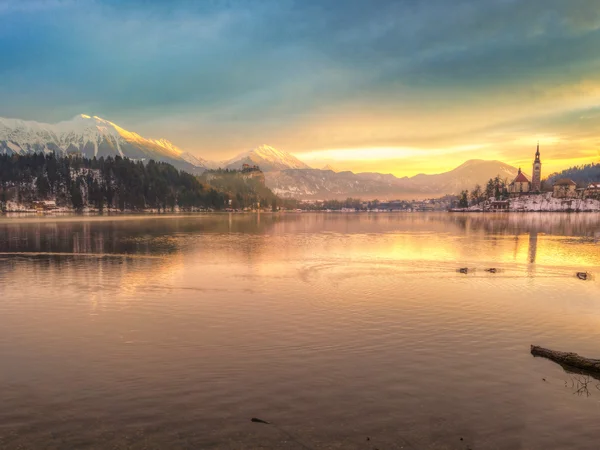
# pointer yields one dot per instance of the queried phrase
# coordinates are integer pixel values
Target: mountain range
(91, 136)
(267, 158)
(321, 184)
(286, 175)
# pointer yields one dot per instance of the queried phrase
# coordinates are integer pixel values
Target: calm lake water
(172, 332)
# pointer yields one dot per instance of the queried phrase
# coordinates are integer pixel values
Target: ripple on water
(334, 329)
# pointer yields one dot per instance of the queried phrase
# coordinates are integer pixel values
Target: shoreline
(565, 211)
(16, 215)
(545, 202)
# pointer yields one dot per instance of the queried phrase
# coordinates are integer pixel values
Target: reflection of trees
(134, 236)
(581, 384)
(170, 235)
(58, 237)
(584, 225)
(54, 240)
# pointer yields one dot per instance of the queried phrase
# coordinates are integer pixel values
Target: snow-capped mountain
(285, 174)
(91, 136)
(195, 161)
(267, 158)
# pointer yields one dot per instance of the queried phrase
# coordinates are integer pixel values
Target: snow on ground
(545, 203)
(22, 135)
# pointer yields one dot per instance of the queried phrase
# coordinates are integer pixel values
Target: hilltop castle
(521, 183)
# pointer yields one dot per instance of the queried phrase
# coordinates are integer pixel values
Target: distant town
(525, 195)
(499, 195)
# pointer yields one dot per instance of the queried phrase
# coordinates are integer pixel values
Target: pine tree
(476, 194)
(464, 199)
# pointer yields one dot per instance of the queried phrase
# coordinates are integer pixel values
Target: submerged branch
(568, 359)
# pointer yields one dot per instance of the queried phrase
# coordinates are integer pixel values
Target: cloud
(308, 75)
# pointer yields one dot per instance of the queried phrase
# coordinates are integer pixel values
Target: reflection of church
(522, 185)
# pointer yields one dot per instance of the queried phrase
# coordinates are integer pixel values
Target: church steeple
(536, 179)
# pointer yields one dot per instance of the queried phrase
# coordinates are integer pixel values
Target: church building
(522, 185)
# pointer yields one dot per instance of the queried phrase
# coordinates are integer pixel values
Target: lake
(345, 331)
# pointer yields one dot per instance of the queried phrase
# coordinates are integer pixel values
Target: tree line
(243, 188)
(118, 183)
(582, 175)
(495, 188)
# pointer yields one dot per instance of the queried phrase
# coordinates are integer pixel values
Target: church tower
(536, 179)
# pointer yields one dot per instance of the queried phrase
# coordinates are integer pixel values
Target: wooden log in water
(568, 359)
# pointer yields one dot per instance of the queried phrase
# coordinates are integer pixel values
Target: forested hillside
(245, 187)
(117, 183)
(582, 175)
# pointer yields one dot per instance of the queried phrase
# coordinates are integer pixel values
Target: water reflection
(171, 332)
(533, 236)
(551, 238)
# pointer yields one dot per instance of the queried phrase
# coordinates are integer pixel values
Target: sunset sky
(403, 86)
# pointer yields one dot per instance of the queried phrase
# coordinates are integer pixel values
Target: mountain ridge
(93, 136)
(330, 167)
(267, 158)
(90, 136)
(314, 184)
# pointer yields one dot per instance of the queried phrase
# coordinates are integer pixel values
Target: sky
(403, 87)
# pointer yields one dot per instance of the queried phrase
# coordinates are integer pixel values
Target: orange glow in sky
(400, 87)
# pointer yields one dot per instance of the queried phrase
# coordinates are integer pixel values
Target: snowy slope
(267, 158)
(90, 136)
(194, 160)
(544, 203)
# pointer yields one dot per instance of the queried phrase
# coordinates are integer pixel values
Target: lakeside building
(44, 205)
(592, 191)
(564, 188)
(499, 205)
